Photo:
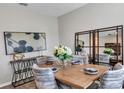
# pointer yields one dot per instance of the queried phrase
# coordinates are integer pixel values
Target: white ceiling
(54, 9)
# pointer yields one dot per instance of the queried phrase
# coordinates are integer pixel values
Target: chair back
(112, 79)
(44, 78)
(77, 59)
(118, 66)
(51, 58)
(85, 59)
(103, 58)
(41, 60)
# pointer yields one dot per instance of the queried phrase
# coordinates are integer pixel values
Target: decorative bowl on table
(75, 62)
(54, 69)
(90, 70)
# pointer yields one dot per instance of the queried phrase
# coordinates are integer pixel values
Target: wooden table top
(76, 78)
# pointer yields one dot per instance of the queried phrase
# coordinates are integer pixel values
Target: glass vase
(65, 64)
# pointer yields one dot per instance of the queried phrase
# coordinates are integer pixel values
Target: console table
(22, 71)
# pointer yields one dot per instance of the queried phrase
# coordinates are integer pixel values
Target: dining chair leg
(35, 86)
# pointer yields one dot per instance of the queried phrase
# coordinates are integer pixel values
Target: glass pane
(83, 40)
(119, 45)
(107, 37)
(87, 51)
(101, 50)
(103, 57)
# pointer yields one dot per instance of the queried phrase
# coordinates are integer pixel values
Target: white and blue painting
(23, 42)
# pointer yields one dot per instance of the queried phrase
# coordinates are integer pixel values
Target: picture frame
(24, 42)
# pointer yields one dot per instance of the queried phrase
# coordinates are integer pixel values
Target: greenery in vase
(108, 51)
(63, 53)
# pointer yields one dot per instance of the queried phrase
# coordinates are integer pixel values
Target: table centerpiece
(64, 54)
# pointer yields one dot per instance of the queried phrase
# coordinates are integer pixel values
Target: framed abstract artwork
(23, 42)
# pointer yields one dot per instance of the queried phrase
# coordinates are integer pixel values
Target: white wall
(19, 19)
(91, 16)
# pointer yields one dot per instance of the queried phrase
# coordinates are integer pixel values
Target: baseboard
(5, 84)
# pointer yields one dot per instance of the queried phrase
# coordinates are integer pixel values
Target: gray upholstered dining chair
(79, 59)
(44, 78)
(85, 59)
(110, 80)
(118, 66)
(103, 58)
(41, 60)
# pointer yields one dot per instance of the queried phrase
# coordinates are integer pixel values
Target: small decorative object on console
(18, 56)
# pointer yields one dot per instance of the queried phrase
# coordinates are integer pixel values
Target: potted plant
(108, 51)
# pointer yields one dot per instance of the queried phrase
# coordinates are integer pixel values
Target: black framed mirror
(99, 43)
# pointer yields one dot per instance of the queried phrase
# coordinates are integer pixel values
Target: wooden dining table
(75, 77)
